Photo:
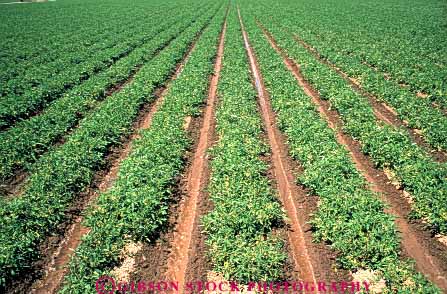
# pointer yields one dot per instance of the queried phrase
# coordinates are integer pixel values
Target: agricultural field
(236, 146)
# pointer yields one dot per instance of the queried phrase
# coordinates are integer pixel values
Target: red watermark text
(108, 285)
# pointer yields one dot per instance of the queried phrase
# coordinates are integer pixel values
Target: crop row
(239, 228)
(20, 76)
(39, 44)
(39, 74)
(417, 112)
(27, 220)
(388, 147)
(78, 47)
(22, 144)
(15, 106)
(136, 207)
(27, 36)
(349, 216)
(397, 43)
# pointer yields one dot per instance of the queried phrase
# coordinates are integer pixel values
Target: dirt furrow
(13, 186)
(56, 268)
(430, 257)
(289, 192)
(382, 111)
(183, 244)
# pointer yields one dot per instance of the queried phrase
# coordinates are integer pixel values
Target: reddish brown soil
(310, 266)
(382, 111)
(199, 262)
(429, 255)
(55, 270)
(183, 246)
(290, 271)
(321, 255)
(151, 261)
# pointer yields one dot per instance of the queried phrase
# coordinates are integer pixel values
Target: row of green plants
(136, 208)
(26, 221)
(33, 99)
(19, 106)
(21, 145)
(26, 36)
(24, 75)
(239, 229)
(388, 147)
(39, 74)
(33, 40)
(350, 217)
(418, 112)
(393, 37)
(47, 41)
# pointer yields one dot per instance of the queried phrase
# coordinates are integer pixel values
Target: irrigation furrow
(146, 178)
(288, 191)
(382, 110)
(183, 249)
(428, 258)
(124, 271)
(57, 267)
(388, 147)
